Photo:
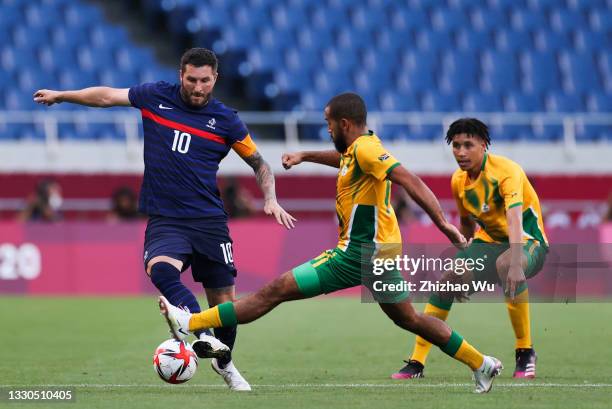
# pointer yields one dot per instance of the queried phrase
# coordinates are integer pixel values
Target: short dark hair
(349, 106)
(470, 126)
(199, 57)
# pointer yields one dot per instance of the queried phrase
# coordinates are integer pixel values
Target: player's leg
(518, 308)
(437, 332)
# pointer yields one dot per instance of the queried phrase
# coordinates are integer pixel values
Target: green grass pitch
(323, 353)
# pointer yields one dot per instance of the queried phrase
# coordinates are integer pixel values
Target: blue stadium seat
(270, 37)
(154, 74)
(588, 132)
(393, 41)
(32, 78)
(416, 81)
(333, 82)
(106, 36)
(43, 15)
(329, 18)
(286, 18)
(83, 15)
(292, 80)
(19, 100)
(422, 132)
(308, 37)
(10, 14)
(542, 5)
(119, 79)
(599, 102)
(29, 132)
(507, 4)
(13, 58)
(518, 102)
(314, 101)
(339, 58)
(542, 132)
(133, 59)
(374, 80)
(513, 40)
(364, 17)
(265, 59)
(373, 58)
(458, 78)
(474, 40)
(475, 102)
(551, 41)
(601, 20)
(418, 60)
(561, 102)
(500, 71)
(32, 37)
(527, 20)
(510, 132)
(57, 57)
(448, 19)
(488, 19)
(213, 17)
(437, 102)
(429, 40)
(588, 40)
(303, 58)
(586, 5)
(580, 71)
(541, 73)
(393, 132)
(354, 38)
(565, 20)
(91, 59)
(395, 101)
(238, 37)
(403, 18)
(70, 36)
(74, 78)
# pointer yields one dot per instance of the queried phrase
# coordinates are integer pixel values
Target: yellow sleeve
(511, 186)
(456, 189)
(374, 160)
(245, 147)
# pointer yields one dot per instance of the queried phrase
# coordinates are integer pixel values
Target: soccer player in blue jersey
(187, 132)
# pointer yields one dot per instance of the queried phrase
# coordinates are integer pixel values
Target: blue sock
(167, 279)
(227, 335)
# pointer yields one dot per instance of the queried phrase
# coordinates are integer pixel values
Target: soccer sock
(167, 279)
(518, 310)
(222, 315)
(462, 351)
(227, 335)
(438, 308)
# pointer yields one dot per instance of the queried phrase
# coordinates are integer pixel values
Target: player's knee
(161, 273)
(178, 264)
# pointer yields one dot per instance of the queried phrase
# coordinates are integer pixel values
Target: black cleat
(525, 363)
(210, 347)
(412, 369)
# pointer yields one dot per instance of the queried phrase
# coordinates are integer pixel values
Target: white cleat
(231, 376)
(208, 346)
(177, 319)
(491, 367)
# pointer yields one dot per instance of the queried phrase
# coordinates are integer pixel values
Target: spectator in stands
(237, 201)
(124, 205)
(45, 203)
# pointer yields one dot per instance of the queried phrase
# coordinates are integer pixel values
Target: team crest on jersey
(211, 123)
(383, 157)
(485, 208)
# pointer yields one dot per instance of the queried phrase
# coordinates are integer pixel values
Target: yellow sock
(469, 355)
(206, 319)
(421, 346)
(518, 310)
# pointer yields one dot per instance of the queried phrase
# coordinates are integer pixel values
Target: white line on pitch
(324, 385)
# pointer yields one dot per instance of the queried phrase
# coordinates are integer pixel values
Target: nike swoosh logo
(163, 107)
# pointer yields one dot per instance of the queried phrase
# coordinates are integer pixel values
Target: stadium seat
(552, 41)
(429, 40)
(565, 20)
(416, 81)
(588, 40)
(394, 101)
(561, 102)
(527, 20)
(541, 73)
(580, 72)
(404, 19)
(513, 40)
(474, 40)
(474, 102)
(599, 102)
(488, 19)
(448, 19)
(436, 102)
(518, 102)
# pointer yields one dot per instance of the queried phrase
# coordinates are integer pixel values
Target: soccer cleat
(412, 369)
(231, 376)
(210, 347)
(525, 363)
(483, 376)
(177, 319)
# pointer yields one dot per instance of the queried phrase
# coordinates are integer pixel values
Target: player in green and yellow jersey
(500, 212)
(366, 219)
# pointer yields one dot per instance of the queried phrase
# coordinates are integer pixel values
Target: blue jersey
(182, 150)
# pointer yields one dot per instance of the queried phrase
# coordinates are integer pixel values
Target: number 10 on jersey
(181, 141)
(227, 252)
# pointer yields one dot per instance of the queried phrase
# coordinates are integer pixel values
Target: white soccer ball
(175, 361)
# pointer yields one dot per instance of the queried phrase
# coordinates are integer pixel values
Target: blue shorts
(203, 244)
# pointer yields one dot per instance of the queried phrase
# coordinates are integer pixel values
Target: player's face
(197, 84)
(469, 151)
(336, 132)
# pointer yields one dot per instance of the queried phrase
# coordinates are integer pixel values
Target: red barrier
(76, 258)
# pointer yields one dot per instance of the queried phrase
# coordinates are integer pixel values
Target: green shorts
(488, 253)
(335, 270)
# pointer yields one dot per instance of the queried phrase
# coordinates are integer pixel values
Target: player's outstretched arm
(265, 180)
(425, 198)
(100, 97)
(329, 158)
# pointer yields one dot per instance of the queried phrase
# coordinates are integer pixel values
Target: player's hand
(271, 207)
(513, 279)
(291, 159)
(454, 235)
(47, 97)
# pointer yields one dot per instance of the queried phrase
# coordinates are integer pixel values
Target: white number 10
(181, 141)
(227, 252)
